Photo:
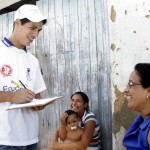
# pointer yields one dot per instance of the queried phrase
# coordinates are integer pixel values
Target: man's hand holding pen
(22, 96)
(25, 95)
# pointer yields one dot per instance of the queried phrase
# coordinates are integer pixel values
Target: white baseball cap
(30, 12)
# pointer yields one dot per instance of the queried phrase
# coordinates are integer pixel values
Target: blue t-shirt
(136, 136)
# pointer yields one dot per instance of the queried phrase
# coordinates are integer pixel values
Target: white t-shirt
(18, 127)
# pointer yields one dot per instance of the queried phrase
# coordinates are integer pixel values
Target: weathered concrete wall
(129, 24)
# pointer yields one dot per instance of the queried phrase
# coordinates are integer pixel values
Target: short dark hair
(25, 20)
(70, 112)
(84, 97)
(143, 70)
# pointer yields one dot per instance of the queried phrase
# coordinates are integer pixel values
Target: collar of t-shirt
(9, 43)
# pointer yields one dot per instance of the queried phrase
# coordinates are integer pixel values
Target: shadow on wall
(122, 118)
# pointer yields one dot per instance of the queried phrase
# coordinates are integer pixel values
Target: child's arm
(62, 129)
(56, 135)
(62, 132)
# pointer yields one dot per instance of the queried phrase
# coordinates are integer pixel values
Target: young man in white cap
(20, 81)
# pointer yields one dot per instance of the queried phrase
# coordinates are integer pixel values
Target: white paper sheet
(34, 102)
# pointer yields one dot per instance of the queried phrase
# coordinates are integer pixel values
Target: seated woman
(91, 135)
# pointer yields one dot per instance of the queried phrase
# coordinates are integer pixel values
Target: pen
(25, 88)
(22, 84)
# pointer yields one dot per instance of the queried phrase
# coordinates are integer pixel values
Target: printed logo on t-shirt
(28, 74)
(6, 70)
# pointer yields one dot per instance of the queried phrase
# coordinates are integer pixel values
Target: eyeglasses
(130, 84)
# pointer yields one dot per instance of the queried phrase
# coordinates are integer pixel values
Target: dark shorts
(29, 147)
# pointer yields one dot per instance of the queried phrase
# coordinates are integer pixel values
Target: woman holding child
(90, 139)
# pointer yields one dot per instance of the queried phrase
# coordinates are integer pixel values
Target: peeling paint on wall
(113, 46)
(129, 44)
(147, 48)
(122, 116)
(134, 31)
(119, 137)
(147, 16)
(119, 99)
(113, 14)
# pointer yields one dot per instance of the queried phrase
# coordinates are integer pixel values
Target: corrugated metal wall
(73, 51)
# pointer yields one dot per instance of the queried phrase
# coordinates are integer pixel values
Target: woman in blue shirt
(137, 94)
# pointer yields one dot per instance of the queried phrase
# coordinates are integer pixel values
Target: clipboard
(34, 102)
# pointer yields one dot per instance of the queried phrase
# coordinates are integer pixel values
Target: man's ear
(17, 22)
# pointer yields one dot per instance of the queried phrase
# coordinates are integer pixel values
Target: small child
(73, 132)
(69, 131)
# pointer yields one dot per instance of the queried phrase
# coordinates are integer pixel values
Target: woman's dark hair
(84, 97)
(70, 112)
(143, 70)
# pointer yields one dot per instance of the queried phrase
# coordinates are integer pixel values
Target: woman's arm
(80, 145)
(67, 146)
(87, 134)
